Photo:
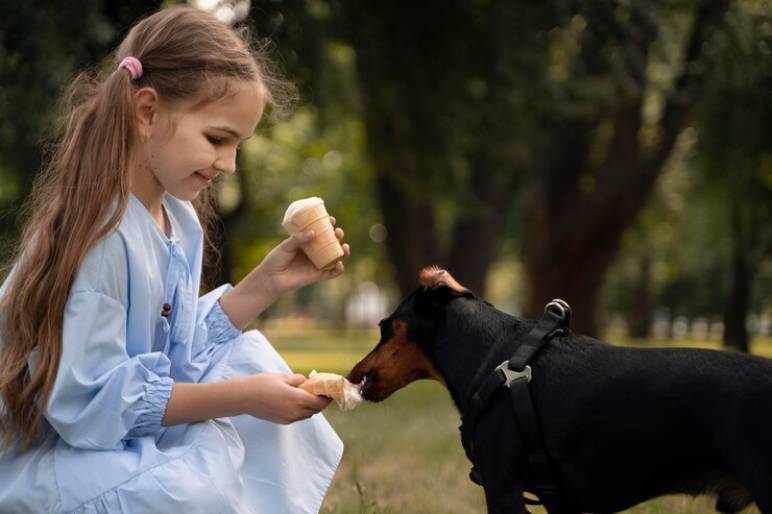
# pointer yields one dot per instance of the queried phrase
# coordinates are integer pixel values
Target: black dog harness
(515, 374)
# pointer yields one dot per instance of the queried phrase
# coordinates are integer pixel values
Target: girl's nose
(226, 162)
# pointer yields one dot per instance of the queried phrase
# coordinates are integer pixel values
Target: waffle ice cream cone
(324, 250)
(334, 386)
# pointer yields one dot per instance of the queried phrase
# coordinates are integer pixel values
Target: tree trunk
(736, 308)
(641, 316)
(479, 226)
(411, 243)
(404, 93)
(576, 277)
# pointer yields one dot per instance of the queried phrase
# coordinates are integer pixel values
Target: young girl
(122, 391)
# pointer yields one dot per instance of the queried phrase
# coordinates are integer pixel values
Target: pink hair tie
(133, 65)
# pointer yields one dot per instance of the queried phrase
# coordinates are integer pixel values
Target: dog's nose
(354, 376)
(359, 373)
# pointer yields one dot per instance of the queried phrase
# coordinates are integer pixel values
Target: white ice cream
(351, 396)
(299, 205)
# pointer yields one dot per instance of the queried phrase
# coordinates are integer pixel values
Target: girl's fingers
(305, 236)
(339, 266)
(296, 379)
(294, 242)
(319, 403)
(313, 403)
(334, 272)
(339, 233)
(333, 220)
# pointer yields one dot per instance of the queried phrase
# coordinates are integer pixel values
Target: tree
(443, 102)
(460, 99)
(42, 45)
(734, 157)
(607, 152)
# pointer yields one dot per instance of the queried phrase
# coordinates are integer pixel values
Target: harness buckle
(560, 308)
(511, 375)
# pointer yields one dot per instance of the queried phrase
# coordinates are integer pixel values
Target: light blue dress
(105, 449)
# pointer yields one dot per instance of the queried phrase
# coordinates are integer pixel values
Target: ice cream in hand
(334, 386)
(324, 250)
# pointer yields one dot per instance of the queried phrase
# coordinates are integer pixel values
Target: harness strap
(540, 479)
(515, 374)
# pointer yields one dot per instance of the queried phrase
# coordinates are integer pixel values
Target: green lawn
(404, 455)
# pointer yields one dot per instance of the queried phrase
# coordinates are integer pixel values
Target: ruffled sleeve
(211, 318)
(101, 395)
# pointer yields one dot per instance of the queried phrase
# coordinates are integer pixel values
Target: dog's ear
(434, 276)
(438, 287)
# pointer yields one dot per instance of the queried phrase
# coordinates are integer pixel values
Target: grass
(404, 455)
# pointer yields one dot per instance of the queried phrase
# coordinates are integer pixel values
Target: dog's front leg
(500, 461)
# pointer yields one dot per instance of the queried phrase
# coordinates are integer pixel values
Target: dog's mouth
(367, 386)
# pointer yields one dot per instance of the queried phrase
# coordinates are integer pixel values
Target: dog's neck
(463, 345)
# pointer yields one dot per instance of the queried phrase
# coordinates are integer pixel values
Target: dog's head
(404, 352)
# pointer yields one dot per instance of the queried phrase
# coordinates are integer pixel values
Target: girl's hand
(286, 267)
(276, 397)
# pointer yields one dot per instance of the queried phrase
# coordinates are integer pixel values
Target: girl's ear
(146, 105)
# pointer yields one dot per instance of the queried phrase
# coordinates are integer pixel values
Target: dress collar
(167, 213)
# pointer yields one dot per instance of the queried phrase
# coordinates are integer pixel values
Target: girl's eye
(214, 140)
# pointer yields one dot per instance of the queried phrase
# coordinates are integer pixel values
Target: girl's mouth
(204, 180)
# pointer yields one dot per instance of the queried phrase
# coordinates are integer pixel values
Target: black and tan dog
(620, 425)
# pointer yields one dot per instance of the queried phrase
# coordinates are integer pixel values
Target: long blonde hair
(186, 54)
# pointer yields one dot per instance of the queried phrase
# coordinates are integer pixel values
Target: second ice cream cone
(324, 250)
(301, 218)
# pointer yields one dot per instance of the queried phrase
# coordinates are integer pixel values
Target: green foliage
(721, 163)
(42, 45)
(297, 158)
(501, 80)
(676, 232)
(733, 153)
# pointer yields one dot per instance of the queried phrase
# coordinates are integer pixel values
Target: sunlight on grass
(404, 456)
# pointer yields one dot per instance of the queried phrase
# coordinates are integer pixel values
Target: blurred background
(614, 153)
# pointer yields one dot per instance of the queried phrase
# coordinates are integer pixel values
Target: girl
(122, 391)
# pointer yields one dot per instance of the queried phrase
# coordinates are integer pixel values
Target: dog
(620, 425)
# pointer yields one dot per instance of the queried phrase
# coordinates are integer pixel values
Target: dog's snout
(356, 375)
(360, 375)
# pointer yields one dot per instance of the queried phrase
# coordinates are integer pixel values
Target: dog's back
(637, 423)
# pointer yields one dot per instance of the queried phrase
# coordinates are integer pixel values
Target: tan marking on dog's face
(434, 276)
(392, 365)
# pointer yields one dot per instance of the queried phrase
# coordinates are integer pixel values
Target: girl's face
(186, 148)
